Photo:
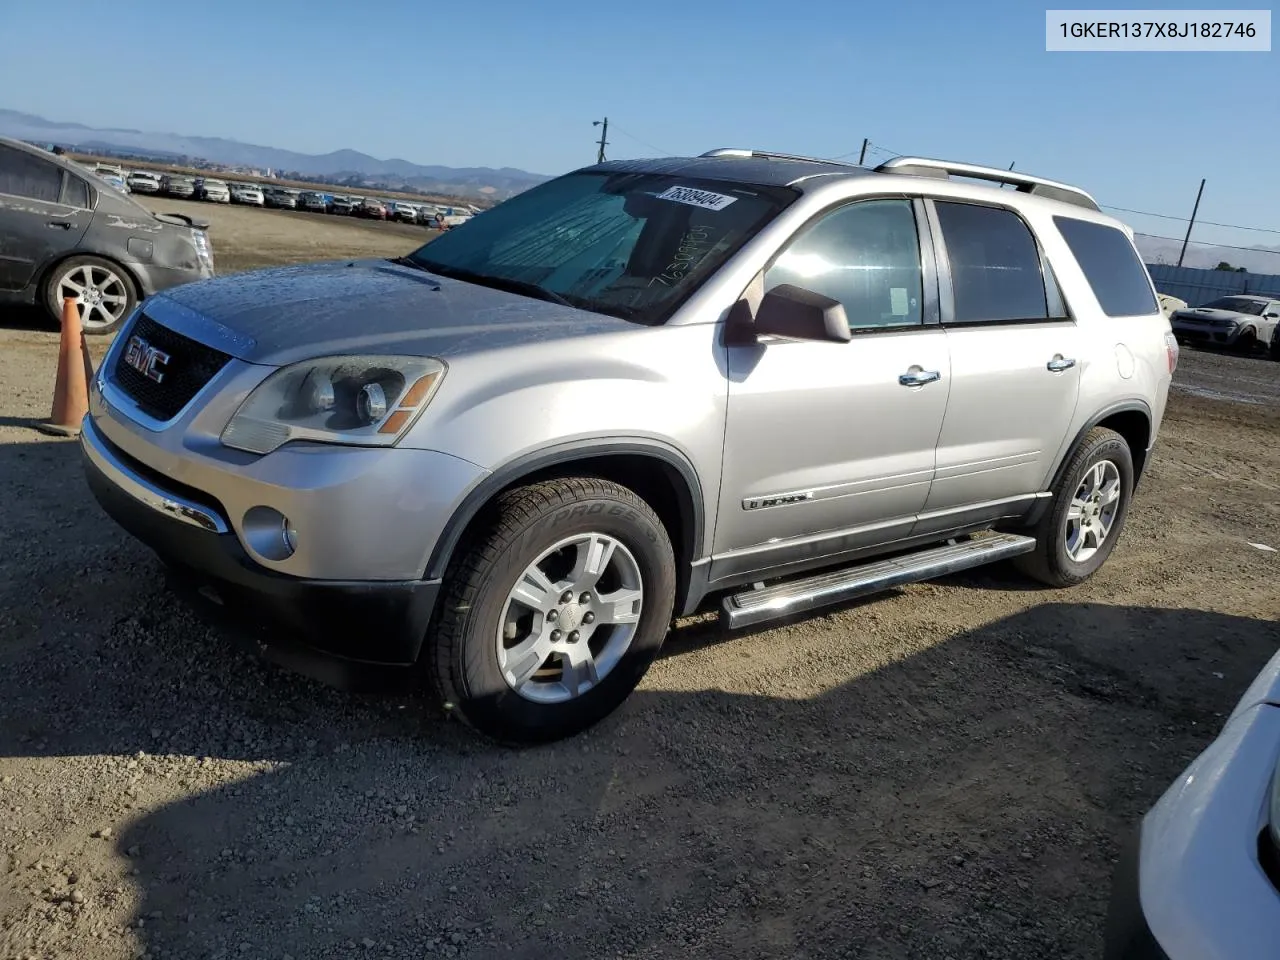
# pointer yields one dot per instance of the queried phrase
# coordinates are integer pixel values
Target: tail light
(1171, 351)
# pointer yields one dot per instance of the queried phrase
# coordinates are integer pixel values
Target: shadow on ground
(16, 317)
(965, 801)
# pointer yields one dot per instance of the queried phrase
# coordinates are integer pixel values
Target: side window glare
(867, 256)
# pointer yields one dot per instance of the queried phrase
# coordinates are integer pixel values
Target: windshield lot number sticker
(697, 198)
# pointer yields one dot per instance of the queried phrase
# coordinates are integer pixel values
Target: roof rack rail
(1025, 183)
(769, 155)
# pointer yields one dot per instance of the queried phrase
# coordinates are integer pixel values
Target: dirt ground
(946, 771)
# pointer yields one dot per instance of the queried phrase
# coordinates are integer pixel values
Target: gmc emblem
(146, 359)
(759, 503)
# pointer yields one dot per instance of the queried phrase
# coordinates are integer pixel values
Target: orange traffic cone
(75, 369)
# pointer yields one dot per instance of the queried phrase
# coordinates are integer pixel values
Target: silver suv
(509, 458)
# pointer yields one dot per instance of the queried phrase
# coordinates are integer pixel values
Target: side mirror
(1272, 316)
(795, 313)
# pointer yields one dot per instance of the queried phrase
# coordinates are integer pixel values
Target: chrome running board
(799, 596)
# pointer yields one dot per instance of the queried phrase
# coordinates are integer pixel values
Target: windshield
(1237, 305)
(632, 245)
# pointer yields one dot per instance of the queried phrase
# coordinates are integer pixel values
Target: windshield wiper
(407, 262)
(510, 284)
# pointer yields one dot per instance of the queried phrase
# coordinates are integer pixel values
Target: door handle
(916, 377)
(64, 224)
(1060, 363)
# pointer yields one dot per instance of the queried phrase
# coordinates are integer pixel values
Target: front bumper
(1193, 886)
(1128, 936)
(373, 622)
(1205, 333)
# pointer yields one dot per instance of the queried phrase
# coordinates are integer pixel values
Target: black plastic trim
(1136, 406)
(366, 622)
(691, 505)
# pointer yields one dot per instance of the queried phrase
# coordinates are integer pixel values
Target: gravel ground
(945, 771)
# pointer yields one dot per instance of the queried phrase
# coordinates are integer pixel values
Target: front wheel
(553, 609)
(1090, 504)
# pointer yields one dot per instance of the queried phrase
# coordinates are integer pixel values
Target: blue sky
(500, 83)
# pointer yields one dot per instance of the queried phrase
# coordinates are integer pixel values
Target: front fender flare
(559, 454)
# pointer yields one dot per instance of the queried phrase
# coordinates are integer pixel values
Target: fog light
(269, 534)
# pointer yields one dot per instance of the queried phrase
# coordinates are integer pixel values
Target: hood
(373, 306)
(1202, 313)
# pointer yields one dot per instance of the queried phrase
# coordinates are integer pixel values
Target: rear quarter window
(76, 193)
(1111, 265)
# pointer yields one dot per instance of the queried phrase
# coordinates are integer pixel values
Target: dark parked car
(1243, 322)
(63, 233)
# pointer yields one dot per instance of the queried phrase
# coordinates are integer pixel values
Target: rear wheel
(102, 290)
(1090, 504)
(552, 612)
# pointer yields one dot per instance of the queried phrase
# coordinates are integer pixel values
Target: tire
(480, 626)
(112, 299)
(1052, 561)
(1247, 343)
(1274, 352)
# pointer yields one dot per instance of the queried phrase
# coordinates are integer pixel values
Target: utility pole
(604, 133)
(1194, 211)
(863, 155)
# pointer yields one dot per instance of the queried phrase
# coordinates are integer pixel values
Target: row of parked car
(216, 190)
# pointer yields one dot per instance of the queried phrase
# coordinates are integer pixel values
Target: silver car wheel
(570, 618)
(100, 292)
(1093, 510)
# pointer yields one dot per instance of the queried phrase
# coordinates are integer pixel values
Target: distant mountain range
(486, 182)
(1206, 257)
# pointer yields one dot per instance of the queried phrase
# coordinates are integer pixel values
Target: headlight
(362, 401)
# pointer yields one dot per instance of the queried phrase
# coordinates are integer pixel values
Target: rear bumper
(153, 279)
(363, 622)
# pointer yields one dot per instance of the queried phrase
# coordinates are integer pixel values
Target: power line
(1144, 213)
(1205, 243)
(1203, 223)
(643, 143)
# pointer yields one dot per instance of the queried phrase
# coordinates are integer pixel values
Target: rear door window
(996, 274)
(1111, 265)
(24, 175)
